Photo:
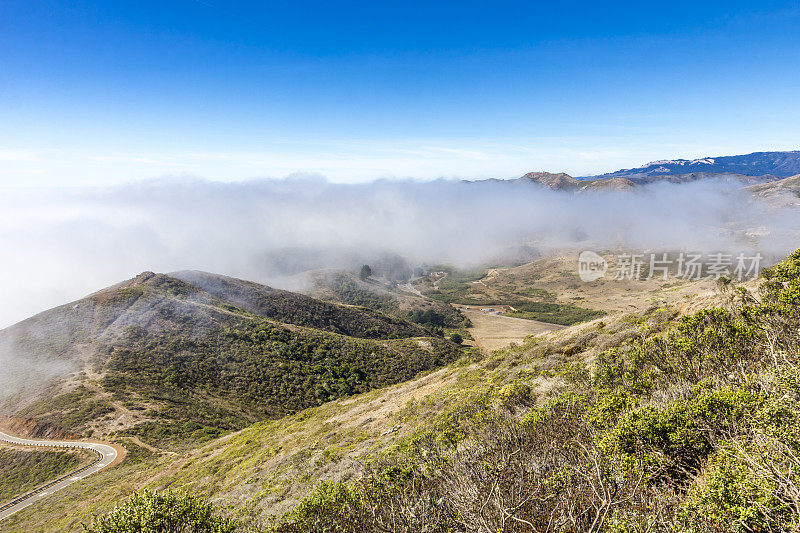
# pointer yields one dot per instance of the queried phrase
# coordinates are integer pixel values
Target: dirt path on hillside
(408, 287)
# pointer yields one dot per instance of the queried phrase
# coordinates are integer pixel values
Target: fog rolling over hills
(399, 267)
(155, 353)
(68, 242)
(422, 331)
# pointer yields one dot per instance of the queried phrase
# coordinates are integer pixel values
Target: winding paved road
(106, 455)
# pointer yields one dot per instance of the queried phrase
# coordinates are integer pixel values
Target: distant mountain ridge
(749, 169)
(565, 182)
(777, 164)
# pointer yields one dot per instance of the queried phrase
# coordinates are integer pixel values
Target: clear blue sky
(112, 91)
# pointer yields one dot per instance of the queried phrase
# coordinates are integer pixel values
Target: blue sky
(109, 92)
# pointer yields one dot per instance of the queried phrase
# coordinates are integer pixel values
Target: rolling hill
(785, 191)
(565, 182)
(186, 356)
(553, 400)
(380, 294)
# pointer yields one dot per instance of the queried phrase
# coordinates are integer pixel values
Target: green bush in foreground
(162, 512)
(732, 495)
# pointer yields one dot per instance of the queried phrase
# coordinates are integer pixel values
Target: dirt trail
(408, 287)
(137, 441)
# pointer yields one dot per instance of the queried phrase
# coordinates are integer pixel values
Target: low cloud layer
(59, 245)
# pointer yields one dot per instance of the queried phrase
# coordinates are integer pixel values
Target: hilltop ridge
(775, 164)
(152, 354)
(749, 169)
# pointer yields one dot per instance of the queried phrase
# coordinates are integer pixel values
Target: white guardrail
(105, 456)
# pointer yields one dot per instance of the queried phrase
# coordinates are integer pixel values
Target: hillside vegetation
(478, 289)
(387, 297)
(24, 470)
(176, 362)
(648, 421)
(364, 321)
(692, 428)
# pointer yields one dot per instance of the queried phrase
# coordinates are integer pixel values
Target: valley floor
(494, 331)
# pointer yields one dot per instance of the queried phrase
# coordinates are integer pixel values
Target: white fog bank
(61, 244)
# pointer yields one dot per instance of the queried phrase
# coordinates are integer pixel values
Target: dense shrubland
(252, 370)
(439, 321)
(190, 360)
(692, 428)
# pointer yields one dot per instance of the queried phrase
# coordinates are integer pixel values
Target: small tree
(366, 272)
(457, 338)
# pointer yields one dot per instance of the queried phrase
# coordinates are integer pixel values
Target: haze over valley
(70, 242)
(399, 267)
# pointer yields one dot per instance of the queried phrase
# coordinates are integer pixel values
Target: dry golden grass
(492, 332)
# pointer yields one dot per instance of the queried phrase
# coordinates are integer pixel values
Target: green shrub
(162, 512)
(260, 370)
(693, 425)
(516, 393)
(728, 497)
(332, 507)
(677, 438)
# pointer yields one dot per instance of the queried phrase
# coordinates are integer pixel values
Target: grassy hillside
(266, 469)
(23, 470)
(689, 427)
(365, 321)
(175, 363)
(481, 289)
(649, 421)
(782, 192)
(149, 299)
